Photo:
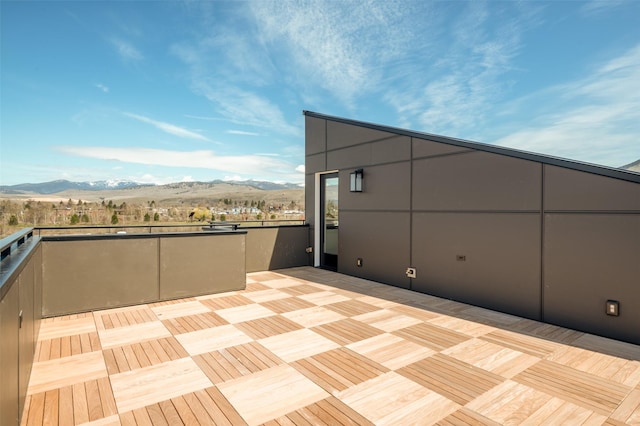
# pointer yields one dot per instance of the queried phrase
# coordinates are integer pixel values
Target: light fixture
(355, 181)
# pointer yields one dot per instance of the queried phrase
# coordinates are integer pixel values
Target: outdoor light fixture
(355, 181)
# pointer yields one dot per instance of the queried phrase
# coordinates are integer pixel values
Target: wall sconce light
(355, 181)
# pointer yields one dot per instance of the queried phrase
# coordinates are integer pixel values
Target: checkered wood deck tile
(307, 346)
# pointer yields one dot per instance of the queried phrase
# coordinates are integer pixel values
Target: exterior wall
(510, 232)
(592, 249)
(82, 274)
(21, 290)
(270, 248)
(198, 265)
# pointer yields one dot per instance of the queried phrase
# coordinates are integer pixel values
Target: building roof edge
(611, 172)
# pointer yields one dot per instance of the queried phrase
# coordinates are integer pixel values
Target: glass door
(329, 217)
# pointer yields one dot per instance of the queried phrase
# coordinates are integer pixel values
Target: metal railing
(184, 227)
(13, 241)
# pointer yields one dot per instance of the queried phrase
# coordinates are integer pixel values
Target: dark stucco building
(544, 238)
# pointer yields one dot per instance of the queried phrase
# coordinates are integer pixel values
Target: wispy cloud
(596, 120)
(102, 87)
(259, 165)
(236, 104)
(467, 75)
(168, 128)
(322, 51)
(596, 7)
(126, 50)
(341, 46)
(242, 132)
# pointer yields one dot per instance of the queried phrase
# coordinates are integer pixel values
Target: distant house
(544, 238)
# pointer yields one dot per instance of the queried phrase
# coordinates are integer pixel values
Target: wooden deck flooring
(307, 346)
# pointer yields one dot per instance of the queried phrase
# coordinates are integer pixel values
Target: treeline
(14, 214)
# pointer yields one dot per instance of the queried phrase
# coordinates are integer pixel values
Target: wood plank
(65, 346)
(210, 405)
(142, 417)
(294, 419)
(226, 302)
(35, 414)
(185, 413)
(85, 343)
(76, 348)
(209, 365)
(347, 331)
(110, 362)
(143, 386)
(242, 363)
(159, 351)
(45, 350)
(234, 363)
(150, 353)
(95, 341)
(199, 412)
(269, 326)
(229, 411)
(121, 359)
(340, 411)
(351, 308)
(257, 355)
(115, 320)
(432, 336)
(55, 349)
(456, 380)
(94, 404)
(157, 415)
(131, 319)
(464, 416)
(527, 344)
(583, 389)
(141, 356)
(128, 419)
(170, 413)
(173, 348)
(80, 408)
(106, 397)
(132, 360)
(65, 406)
(315, 371)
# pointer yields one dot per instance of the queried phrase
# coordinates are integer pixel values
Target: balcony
(296, 345)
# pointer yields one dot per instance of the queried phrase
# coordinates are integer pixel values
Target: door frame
(317, 240)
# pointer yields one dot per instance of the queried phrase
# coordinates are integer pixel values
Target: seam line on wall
(542, 230)
(411, 263)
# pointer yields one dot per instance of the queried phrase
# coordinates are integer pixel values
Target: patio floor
(308, 346)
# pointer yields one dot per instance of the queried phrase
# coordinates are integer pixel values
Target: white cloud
(168, 128)
(596, 7)
(238, 164)
(341, 46)
(300, 168)
(597, 121)
(242, 106)
(453, 96)
(102, 87)
(242, 132)
(126, 50)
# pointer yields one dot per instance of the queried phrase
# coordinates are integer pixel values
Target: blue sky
(168, 91)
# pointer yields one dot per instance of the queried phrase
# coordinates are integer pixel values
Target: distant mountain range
(57, 186)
